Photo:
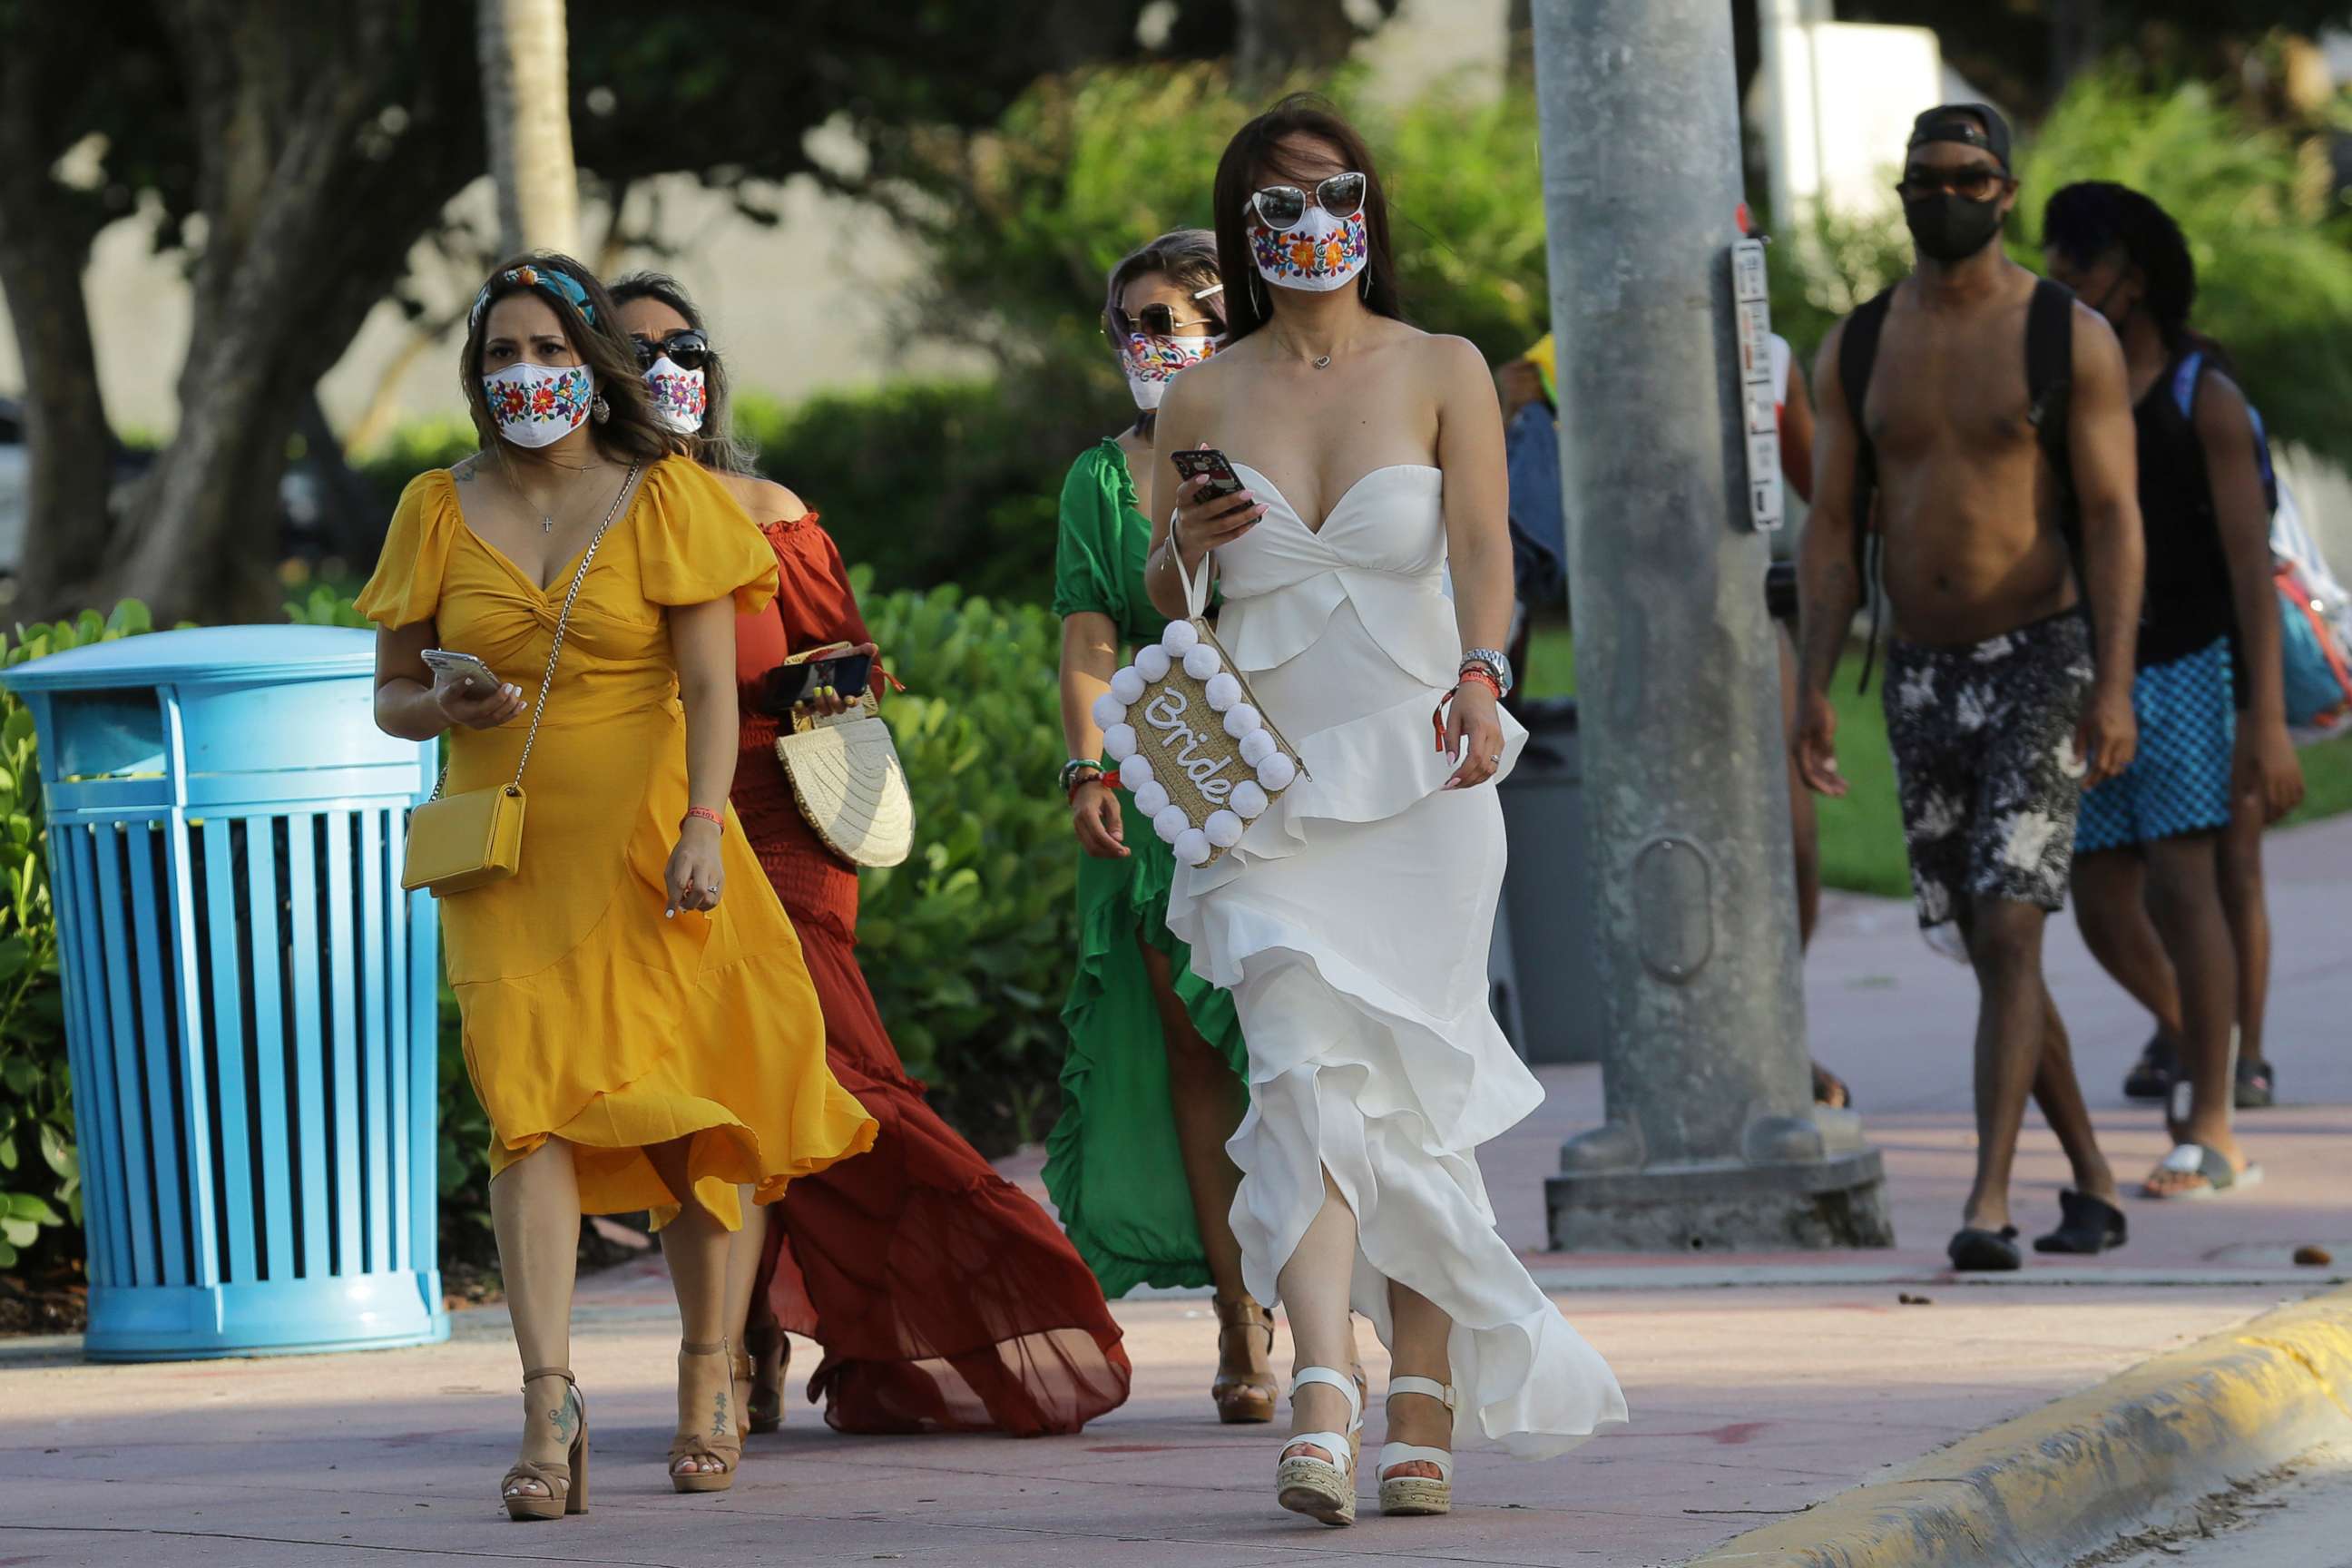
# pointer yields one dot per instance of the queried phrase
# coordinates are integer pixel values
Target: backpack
(2049, 385)
(2315, 611)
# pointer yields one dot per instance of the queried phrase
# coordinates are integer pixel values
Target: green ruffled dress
(1111, 1162)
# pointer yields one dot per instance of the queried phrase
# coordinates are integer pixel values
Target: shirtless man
(2003, 702)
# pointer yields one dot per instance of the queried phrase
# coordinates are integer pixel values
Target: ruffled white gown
(1352, 925)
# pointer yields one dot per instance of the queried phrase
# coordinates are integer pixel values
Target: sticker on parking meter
(1759, 408)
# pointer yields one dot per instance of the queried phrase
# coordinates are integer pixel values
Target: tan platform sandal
(718, 1442)
(768, 1354)
(1242, 1398)
(566, 1483)
(1321, 1489)
(1410, 1495)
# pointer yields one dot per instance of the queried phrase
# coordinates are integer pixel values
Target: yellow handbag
(460, 842)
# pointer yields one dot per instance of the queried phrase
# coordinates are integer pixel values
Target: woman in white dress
(1351, 922)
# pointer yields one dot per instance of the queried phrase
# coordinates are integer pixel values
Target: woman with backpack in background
(2209, 694)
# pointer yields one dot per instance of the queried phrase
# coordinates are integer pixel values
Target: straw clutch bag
(1192, 744)
(845, 774)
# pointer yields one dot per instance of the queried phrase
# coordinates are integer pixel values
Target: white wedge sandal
(1417, 1494)
(1321, 1489)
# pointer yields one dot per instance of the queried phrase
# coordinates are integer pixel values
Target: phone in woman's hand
(791, 683)
(461, 668)
(1207, 462)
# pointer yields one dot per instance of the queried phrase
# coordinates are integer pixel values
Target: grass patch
(1862, 834)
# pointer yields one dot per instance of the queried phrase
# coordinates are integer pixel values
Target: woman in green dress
(1152, 1085)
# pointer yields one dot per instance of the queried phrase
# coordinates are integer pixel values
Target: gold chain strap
(562, 624)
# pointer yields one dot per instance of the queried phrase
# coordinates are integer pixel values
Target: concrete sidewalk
(1760, 1386)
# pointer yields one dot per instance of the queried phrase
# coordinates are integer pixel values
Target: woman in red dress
(942, 1298)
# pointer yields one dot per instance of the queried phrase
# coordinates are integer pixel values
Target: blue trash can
(250, 998)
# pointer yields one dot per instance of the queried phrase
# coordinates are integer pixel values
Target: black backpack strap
(1857, 357)
(2050, 392)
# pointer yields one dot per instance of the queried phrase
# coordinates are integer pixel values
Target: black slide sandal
(2151, 1077)
(2086, 1226)
(1974, 1251)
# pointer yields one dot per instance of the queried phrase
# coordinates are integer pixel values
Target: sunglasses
(1284, 207)
(686, 349)
(1975, 184)
(1160, 321)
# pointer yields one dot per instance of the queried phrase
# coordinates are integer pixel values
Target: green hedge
(967, 946)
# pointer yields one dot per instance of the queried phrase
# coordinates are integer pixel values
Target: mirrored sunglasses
(686, 349)
(1284, 207)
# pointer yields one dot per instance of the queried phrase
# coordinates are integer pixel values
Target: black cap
(1970, 124)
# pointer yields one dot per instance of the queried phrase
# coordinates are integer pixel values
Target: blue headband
(561, 285)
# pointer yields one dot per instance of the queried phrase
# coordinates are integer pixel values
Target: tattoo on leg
(719, 1415)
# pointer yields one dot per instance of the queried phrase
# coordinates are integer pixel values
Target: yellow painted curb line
(2077, 1474)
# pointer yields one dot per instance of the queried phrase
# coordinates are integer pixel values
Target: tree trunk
(526, 100)
(44, 237)
(1278, 37)
(311, 198)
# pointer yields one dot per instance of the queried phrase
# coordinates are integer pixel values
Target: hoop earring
(600, 410)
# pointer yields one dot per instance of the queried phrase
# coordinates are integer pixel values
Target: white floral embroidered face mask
(537, 405)
(681, 397)
(1152, 360)
(1318, 253)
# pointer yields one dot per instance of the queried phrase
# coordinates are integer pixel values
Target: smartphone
(1215, 465)
(462, 666)
(791, 682)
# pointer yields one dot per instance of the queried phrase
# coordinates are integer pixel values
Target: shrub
(967, 946)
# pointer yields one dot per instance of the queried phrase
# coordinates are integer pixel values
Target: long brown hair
(716, 445)
(1255, 155)
(629, 432)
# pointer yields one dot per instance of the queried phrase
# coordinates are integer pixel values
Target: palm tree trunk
(526, 102)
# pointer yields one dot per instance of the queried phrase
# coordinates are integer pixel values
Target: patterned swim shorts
(2179, 780)
(1986, 765)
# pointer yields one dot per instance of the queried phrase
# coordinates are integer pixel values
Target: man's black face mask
(1948, 227)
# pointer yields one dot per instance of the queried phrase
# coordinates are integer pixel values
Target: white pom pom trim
(1223, 829)
(1152, 798)
(1192, 847)
(1248, 800)
(1127, 685)
(1276, 772)
(1135, 771)
(1224, 691)
(1202, 662)
(1243, 723)
(1170, 821)
(1180, 638)
(1109, 710)
(1256, 746)
(1152, 662)
(1118, 742)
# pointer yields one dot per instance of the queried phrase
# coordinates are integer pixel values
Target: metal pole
(1711, 1140)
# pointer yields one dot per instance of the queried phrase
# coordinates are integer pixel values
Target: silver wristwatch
(1497, 663)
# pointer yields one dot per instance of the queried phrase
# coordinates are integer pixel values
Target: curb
(2077, 1474)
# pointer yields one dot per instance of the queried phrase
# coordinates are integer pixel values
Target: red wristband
(1482, 676)
(707, 815)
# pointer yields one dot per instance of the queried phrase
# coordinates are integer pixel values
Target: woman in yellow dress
(638, 1043)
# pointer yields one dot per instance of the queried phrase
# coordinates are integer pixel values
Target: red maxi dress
(943, 1298)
